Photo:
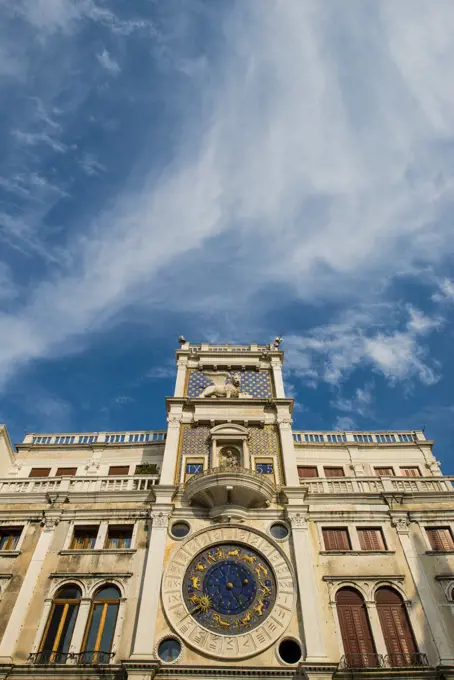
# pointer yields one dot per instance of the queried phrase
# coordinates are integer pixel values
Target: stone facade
(229, 544)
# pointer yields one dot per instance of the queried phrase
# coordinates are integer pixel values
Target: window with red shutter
(334, 472)
(400, 643)
(440, 538)
(307, 471)
(66, 471)
(336, 538)
(39, 472)
(355, 629)
(371, 538)
(410, 471)
(119, 470)
(384, 471)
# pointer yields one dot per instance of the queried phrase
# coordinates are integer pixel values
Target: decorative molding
(401, 524)
(297, 520)
(91, 575)
(160, 519)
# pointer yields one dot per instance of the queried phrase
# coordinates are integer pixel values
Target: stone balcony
(77, 489)
(377, 485)
(229, 486)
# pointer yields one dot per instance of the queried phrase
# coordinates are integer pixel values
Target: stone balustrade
(352, 437)
(89, 438)
(327, 485)
(130, 483)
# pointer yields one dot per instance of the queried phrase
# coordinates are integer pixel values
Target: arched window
(400, 643)
(60, 625)
(355, 629)
(101, 625)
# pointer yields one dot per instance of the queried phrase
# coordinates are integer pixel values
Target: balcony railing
(340, 485)
(88, 438)
(352, 437)
(366, 660)
(373, 660)
(88, 658)
(113, 483)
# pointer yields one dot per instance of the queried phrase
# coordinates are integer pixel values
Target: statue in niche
(229, 457)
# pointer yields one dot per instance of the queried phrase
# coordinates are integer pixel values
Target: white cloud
(331, 353)
(91, 166)
(359, 403)
(316, 153)
(445, 291)
(344, 423)
(108, 63)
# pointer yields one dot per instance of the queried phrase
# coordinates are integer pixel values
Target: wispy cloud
(108, 62)
(359, 403)
(309, 155)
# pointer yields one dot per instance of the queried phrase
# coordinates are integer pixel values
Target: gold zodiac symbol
(194, 599)
(220, 622)
(248, 558)
(219, 554)
(200, 567)
(265, 571)
(233, 553)
(259, 608)
(267, 591)
(195, 581)
(247, 619)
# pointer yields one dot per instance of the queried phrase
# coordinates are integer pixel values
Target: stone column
(171, 450)
(151, 585)
(276, 367)
(18, 614)
(81, 624)
(441, 636)
(377, 632)
(288, 450)
(308, 593)
(181, 377)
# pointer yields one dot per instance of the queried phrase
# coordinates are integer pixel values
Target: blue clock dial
(229, 588)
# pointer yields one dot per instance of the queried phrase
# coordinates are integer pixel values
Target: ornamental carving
(238, 592)
(160, 519)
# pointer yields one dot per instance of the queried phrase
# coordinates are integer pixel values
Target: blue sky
(229, 171)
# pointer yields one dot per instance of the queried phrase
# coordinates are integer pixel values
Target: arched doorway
(399, 639)
(355, 629)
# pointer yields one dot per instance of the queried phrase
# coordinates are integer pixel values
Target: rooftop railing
(360, 660)
(311, 437)
(84, 438)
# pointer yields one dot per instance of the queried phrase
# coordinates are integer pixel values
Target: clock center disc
(230, 587)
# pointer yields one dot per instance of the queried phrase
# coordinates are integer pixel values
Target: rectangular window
(66, 472)
(264, 468)
(39, 472)
(118, 537)
(440, 538)
(336, 538)
(410, 471)
(384, 471)
(334, 472)
(119, 470)
(307, 471)
(194, 468)
(9, 537)
(84, 538)
(371, 539)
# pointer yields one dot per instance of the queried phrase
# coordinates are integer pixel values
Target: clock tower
(229, 533)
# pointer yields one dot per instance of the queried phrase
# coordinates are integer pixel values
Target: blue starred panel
(255, 383)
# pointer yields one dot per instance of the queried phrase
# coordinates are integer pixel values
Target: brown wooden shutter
(334, 472)
(440, 538)
(384, 472)
(400, 643)
(66, 471)
(355, 630)
(119, 470)
(336, 538)
(371, 539)
(307, 471)
(411, 472)
(39, 472)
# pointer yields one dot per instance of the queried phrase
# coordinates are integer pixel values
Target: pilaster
(307, 586)
(151, 585)
(19, 613)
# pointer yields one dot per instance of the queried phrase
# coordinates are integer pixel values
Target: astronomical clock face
(229, 592)
(229, 588)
